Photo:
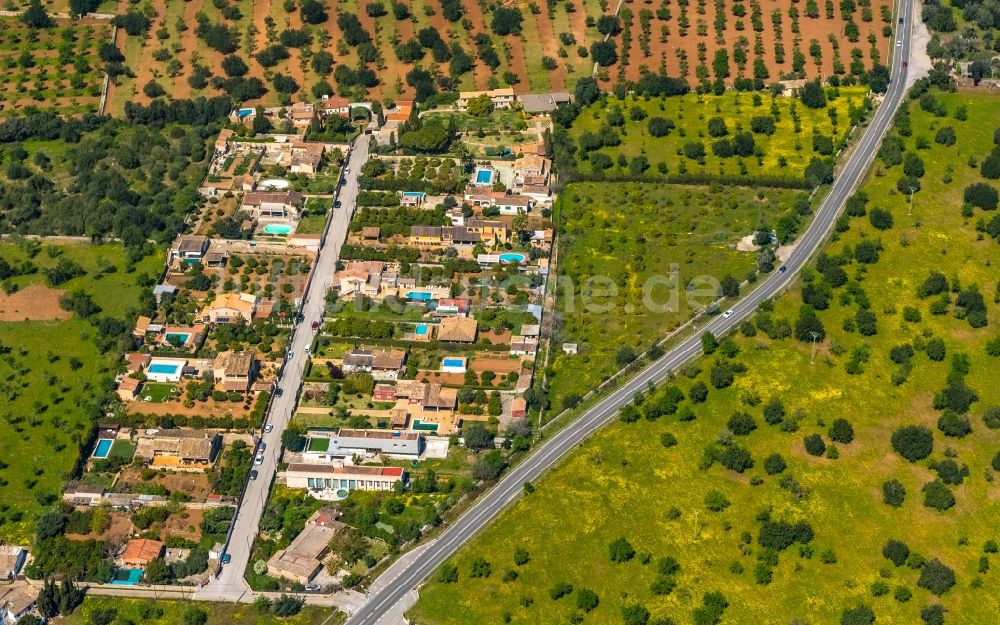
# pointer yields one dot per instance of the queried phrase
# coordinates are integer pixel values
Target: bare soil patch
(195, 484)
(32, 303)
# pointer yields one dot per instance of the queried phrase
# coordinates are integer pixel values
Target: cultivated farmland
(54, 376)
(769, 39)
(631, 235)
(55, 68)
(785, 489)
(683, 134)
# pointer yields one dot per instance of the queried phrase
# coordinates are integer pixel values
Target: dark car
(343, 182)
(900, 20)
(782, 269)
(253, 474)
(278, 392)
(336, 204)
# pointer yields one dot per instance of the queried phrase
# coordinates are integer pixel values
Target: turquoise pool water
(163, 367)
(103, 448)
(412, 194)
(512, 257)
(181, 337)
(421, 329)
(127, 577)
(419, 295)
(453, 362)
(278, 229)
(484, 176)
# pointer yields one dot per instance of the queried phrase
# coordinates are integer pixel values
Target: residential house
(400, 112)
(518, 408)
(140, 552)
(490, 230)
(381, 364)
(301, 560)
(234, 371)
(332, 483)
(163, 289)
(543, 103)
(141, 327)
(384, 392)
(348, 442)
(129, 389)
(367, 277)
(371, 233)
(531, 169)
(453, 306)
(301, 114)
(17, 601)
(12, 558)
(336, 105)
(275, 204)
(523, 345)
(178, 449)
(84, 495)
(457, 330)
(530, 329)
(136, 362)
(222, 142)
(514, 204)
(540, 193)
(570, 348)
(188, 248)
(248, 182)
(228, 307)
(425, 235)
(438, 398)
(501, 98)
(306, 158)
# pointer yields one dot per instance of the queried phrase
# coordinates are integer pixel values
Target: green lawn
(158, 392)
(122, 449)
(635, 235)
(172, 612)
(53, 381)
(785, 153)
(624, 483)
(311, 224)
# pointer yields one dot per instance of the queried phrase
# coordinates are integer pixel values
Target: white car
(899, 44)
(729, 313)
(268, 428)
(306, 350)
(259, 459)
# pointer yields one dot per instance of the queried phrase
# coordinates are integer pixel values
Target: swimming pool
(419, 295)
(163, 368)
(426, 427)
(416, 194)
(127, 577)
(282, 229)
(512, 257)
(103, 448)
(246, 112)
(453, 362)
(179, 337)
(484, 176)
(274, 183)
(421, 329)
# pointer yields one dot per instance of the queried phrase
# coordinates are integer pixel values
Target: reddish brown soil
(117, 533)
(145, 67)
(194, 484)
(810, 28)
(35, 302)
(550, 47)
(190, 43)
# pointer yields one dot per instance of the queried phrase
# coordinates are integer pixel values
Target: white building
(347, 442)
(332, 483)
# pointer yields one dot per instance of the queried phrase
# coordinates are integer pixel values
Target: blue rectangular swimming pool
(453, 362)
(484, 176)
(419, 295)
(163, 367)
(103, 448)
(421, 329)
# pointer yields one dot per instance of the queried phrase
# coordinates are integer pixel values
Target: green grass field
(785, 153)
(51, 380)
(632, 235)
(158, 392)
(173, 612)
(624, 483)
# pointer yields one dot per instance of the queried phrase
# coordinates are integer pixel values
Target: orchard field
(770, 483)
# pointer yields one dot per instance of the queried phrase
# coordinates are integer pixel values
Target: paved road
(382, 602)
(230, 585)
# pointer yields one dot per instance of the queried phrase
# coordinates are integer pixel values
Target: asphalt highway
(492, 503)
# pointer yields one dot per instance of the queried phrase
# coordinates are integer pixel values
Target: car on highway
(259, 459)
(729, 313)
(899, 44)
(226, 558)
(253, 474)
(782, 269)
(900, 20)
(905, 63)
(268, 427)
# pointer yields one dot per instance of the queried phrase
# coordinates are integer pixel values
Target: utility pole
(815, 335)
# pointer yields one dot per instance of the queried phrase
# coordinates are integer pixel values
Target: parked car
(259, 459)
(278, 392)
(262, 446)
(336, 204)
(315, 326)
(313, 587)
(306, 350)
(253, 474)
(269, 427)
(226, 558)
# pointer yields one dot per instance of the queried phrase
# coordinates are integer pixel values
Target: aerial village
(428, 349)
